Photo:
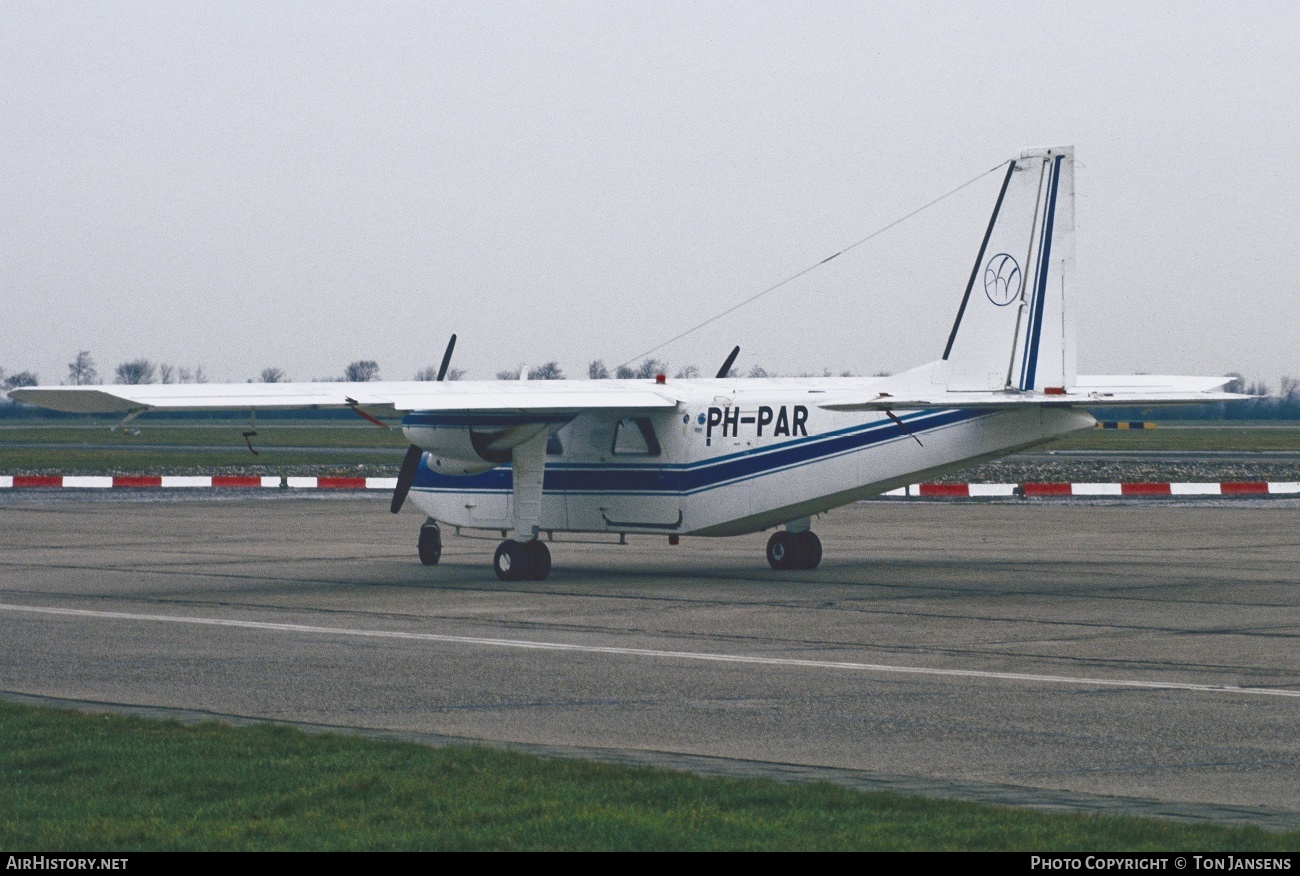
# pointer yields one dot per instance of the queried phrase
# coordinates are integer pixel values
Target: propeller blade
(446, 358)
(410, 465)
(731, 360)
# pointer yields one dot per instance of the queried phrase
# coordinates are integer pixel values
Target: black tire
(511, 561)
(539, 559)
(810, 549)
(783, 551)
(430, 545)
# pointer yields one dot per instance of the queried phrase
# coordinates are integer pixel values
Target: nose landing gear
(430, 544)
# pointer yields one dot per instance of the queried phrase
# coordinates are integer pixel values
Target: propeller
(406, 476)
(446, 358)
(731, 360)
(411, 462)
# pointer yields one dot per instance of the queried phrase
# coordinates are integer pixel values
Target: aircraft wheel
(539, 559)
(511, 561)
(810, 549)
(430, 544)
(783, 551)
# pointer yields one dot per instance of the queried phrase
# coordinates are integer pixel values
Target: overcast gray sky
(300, 185)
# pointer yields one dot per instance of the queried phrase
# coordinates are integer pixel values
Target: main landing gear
(794, 550)
(522, 560)
(514, 560)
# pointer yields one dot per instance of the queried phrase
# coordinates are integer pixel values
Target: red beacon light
(661, 378)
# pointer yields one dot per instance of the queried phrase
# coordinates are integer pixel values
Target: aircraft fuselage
(735, 456)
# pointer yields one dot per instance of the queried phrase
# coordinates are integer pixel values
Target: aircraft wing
(1140, 390)
(391, 398)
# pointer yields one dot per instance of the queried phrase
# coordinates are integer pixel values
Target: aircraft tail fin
(1013, 329)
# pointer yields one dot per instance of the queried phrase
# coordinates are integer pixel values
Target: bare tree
(431, 373)
(1289, 390)
(759, 371)
(648, 368)
(81, 370)
(548, 371)
(273, 375)
(509, 374)
(21, 378)
(597, 370)
(361, 371)
(166, 373)
(137, 371)
(652, 367)
(690, 372)
(200, 376)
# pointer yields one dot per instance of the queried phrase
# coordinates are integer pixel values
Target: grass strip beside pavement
(1183, 438)
(202, 448)
(71, 781)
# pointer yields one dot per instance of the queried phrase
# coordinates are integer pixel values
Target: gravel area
(1014, 470)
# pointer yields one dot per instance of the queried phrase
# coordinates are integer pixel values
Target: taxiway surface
(1131, 656)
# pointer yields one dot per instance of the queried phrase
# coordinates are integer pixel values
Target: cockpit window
(635, 436)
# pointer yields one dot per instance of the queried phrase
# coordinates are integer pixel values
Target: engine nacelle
(464, 445)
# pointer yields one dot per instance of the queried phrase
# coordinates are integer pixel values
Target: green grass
(333, 445)
(1237, 436)
(276, 434)
(71, 781)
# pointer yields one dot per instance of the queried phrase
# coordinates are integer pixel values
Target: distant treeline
(1267, 405)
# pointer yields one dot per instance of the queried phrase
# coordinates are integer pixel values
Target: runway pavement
(1133, 657)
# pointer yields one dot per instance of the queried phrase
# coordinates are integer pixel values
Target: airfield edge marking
(1033, 489)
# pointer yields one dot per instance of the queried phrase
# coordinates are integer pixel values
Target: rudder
(1013, 329)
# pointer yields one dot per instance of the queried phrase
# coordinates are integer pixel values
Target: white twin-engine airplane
(728, 456)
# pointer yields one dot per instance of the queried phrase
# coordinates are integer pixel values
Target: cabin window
(635, 436)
